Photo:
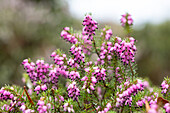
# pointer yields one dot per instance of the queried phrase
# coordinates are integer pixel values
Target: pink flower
(73, 91)
(93, 79)
(67, 36)
(126, 20)
(67, 28)
(37, 88)
(23, 107)
(43, 87)
(84, 78)
(108, 105)
(91, 87)
(40, 103)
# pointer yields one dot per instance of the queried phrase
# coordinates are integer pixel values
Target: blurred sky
(142, 11)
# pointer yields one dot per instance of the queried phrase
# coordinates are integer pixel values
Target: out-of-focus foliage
(28, 28)
(154, 51)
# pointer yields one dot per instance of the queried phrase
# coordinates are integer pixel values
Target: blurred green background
(31, 29)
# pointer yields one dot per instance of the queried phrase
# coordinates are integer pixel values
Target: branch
(95, 47)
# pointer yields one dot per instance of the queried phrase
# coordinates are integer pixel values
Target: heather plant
(76, 83)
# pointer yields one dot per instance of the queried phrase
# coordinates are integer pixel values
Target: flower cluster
(30, 68)
(59, 99)
(90, 26)
(125, 50)
(106, 53)
(78, 54)
(6, 95)
(67, 36)
(73, 75)
(165, 86)
(153, 108)
(107, 33)
(99, 73)
(88, 31)
(47, 74)
(25, 110)
(87, 44)
(9, 106)
(118, 75)
(125, 98)
(53, 76)
(108, 107)
(59, 59)
(89, 83)
(73, 91)
(68, 107)
(72, 63)
(126, 20)
(42, 107)
(167, 107)
(151, 99)
(42, 87)
(36, 71)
